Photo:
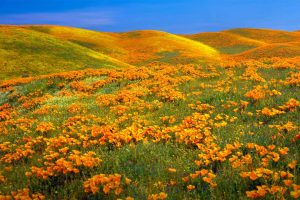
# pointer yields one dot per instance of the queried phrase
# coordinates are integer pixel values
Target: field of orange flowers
(226, 131)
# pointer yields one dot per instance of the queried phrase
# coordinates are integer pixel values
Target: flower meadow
(194, 131)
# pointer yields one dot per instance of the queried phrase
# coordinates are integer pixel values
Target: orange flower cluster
(111, 182)
(207, 176)
(158, 196)
(75, 108)
(194, 130)
(290, 105)
(289, 126)
(168, 93)
(44, 127)
(263, 190)
(23, 194)
(80, 86)
(293, 80)
(260, 92)
(34, 102)
(2, 178)
(18, 154)
(270, 112)
(252, 74)
(190, 187)
(257, 93)
(54, 166)
(45, 110)
(240, 161)
(168, 119)
(5, 112)
(201, 107)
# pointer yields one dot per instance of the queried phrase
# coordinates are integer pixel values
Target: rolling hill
(165, 47)
(98, 41)
(266, 35)
(226, 42)
(43, 49)
(34, 50)
(26, 52)
(135, 47)
(283, 50)
(249, 43)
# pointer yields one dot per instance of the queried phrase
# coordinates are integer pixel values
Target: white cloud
(80, 18)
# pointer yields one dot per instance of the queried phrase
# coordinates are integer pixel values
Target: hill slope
(283, 50)
(99, 41)
(249, 43)
(45, 49)
(136, 47)
(181, 132)
(165, 47)
(25, 51)
(266, 35)
(226, 42)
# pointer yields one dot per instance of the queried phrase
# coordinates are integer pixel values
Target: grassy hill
(165, 47)
(136, 47)
(43, 49)
(284, 50)
(34, 50)
(266, 35)
(102, 42)
(246, 43)
(27, 52)
(277, 43)
(226, 42)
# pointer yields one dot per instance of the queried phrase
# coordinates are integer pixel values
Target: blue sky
(176, 16)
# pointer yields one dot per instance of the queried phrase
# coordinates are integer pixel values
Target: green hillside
(226, 43)
(135, 47)
(25, 52)
(266, 35)
(43, 49)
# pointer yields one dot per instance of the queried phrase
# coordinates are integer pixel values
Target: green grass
(235, 49)
(25, 52)
(146, 162)
(155, 145)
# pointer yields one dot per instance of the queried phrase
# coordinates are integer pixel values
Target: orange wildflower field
(224, 129)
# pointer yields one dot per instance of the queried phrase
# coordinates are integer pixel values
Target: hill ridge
(38, 49)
